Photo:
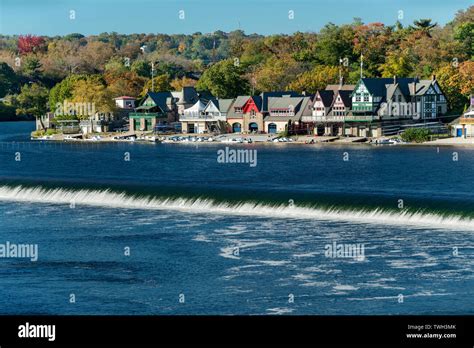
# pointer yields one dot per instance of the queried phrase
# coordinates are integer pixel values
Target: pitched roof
(378, 86)
(199, 106)
(327, 97)
(258, 101)
(345, 97)
(421, 86)
(162, 99)
(300, 110)
(284, 103)
(224, 104)
(266, 95)
(391, 90)
(241, 100)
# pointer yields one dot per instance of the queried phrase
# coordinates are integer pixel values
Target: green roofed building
(155, 109)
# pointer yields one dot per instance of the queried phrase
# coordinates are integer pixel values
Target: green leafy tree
(224, 80)
(94, 91)
(33, 100)
(8, 79)
(464, 33)
(63, 90)
(397, 64)
(316, 79)
(141, 68)
(31, 67)
(277, 73)
(160, 83)
(417, 135)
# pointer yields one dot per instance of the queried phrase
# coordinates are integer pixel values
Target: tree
(93, 91)
(142, 68)
(161, 83)
(277, 73)
(316, 79)
(116, 65)
(33, 100)
(178, 84)
(457, 83)
(372, 41)
(464, 33)
(30, 44)
(124, 83)
(424, 26)
(333, 43)
(94, 55)
(8, 79)
(63, 90)
(397, 64)
(32, 67)
(224, 80)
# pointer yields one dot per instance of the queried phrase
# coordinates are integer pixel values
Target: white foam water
(109, 199)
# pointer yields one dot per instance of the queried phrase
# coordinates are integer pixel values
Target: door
(236, 128)
(253, 127)
(272, 128)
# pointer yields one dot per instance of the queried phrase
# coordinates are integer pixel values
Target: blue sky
(51, 17)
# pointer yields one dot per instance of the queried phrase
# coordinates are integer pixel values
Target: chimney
(341, 82)
(433, 77)
(394, 79)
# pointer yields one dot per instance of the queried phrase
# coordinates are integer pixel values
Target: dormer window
(238, 110)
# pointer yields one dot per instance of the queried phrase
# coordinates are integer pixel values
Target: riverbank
(233, 138)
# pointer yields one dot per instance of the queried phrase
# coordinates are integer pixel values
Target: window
(238, 110)
(400, 98)
(366, 97)
(252, 112)
(358, 97)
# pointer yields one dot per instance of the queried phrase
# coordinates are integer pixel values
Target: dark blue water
(235, 239)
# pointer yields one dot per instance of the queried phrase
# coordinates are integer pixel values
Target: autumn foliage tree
(30, 43)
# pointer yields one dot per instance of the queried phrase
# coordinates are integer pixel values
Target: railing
(201, 117)
(362, 118)
(146, 114)
(330, 118)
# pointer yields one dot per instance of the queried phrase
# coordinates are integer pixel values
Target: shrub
(417, 135)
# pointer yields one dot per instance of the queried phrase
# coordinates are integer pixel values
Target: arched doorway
(253, 127)
(320, 130)
(272, 128)
(236, 128)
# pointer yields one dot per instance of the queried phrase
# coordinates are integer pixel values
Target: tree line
(37, 73)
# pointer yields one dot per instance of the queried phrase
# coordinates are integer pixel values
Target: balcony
(146, 115)
(330, 118)
(362, 118)
(201, 117)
